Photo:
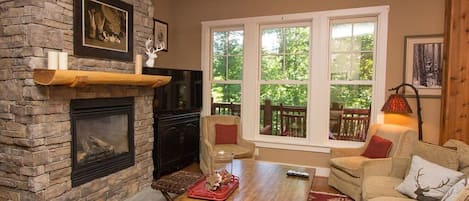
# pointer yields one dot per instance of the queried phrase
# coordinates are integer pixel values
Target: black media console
(176, 142)
(176, 108)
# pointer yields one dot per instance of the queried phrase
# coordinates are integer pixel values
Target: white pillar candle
(52, 60)
(63, 60)
(138, 64)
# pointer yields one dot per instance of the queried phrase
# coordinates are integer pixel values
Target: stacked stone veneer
(35, 137)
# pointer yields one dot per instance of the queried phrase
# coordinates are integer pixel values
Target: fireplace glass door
(102, 137)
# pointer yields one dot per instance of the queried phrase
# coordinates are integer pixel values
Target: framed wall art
(103, 29)
(423, 66)
(160, 34)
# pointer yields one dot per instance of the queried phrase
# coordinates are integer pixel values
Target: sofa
(381, 186)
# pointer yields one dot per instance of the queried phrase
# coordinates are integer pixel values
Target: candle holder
(138, 64)
(52, 60)
(63, 61)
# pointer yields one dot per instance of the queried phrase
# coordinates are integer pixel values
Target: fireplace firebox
(102, 137)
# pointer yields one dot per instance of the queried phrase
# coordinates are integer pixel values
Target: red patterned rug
(322, 196)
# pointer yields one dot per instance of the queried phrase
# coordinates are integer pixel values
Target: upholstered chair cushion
(238, 151)
(351, 165)
(378, 186)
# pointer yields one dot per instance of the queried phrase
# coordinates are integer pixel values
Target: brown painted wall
(164, 12)
(416, 17)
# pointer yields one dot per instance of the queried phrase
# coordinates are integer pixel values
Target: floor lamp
(396, 103)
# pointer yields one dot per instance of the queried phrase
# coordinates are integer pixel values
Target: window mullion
(227, 49)
(284, 63)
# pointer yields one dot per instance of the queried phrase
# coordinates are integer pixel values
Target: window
(351, 67)
(296, 76)
(284, 79)
(226, 71)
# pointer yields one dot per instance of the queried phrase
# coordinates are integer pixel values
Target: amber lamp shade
(396, 104)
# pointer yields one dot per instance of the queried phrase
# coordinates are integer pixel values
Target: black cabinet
(176, 142)
(176, 106)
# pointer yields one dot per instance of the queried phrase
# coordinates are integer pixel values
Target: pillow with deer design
(427, 180)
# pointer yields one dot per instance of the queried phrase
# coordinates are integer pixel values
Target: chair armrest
(399, 167)
(248, 144)
(207, 146)
(345, 152)
(393, 167)
(377, 167)
(206, 150)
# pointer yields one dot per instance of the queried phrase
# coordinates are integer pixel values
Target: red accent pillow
(378, 147)
(226, 134)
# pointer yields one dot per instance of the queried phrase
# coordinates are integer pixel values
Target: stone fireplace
(37, 159)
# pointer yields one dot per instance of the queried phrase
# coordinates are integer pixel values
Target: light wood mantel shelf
(77, 78)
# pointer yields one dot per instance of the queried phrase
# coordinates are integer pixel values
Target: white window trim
(318, 140)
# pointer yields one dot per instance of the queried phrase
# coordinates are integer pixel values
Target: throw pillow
(378, 147)
(454, 191)
(226, 134)
(427, 180)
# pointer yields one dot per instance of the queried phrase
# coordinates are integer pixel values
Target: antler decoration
(151, 51)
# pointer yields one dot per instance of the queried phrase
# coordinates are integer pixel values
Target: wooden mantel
(78, 78)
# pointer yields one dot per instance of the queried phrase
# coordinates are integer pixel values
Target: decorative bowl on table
(199, 190)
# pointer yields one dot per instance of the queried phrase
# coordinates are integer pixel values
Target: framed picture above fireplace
(160, 34)
(103, 29)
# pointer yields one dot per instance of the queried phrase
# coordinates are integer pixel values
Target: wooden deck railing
(276, 119)
(291, 120)
(354, 124)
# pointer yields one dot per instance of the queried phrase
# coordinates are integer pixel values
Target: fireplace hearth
(102, 137)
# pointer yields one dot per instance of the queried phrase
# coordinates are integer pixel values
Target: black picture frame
(423, 64)
(160, 34)
(103, 29)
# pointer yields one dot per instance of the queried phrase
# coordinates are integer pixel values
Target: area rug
(323, 196)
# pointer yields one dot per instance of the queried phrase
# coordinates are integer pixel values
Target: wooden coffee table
(267, 181)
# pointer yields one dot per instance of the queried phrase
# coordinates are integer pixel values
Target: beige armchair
(346, 171)
(243, 148)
